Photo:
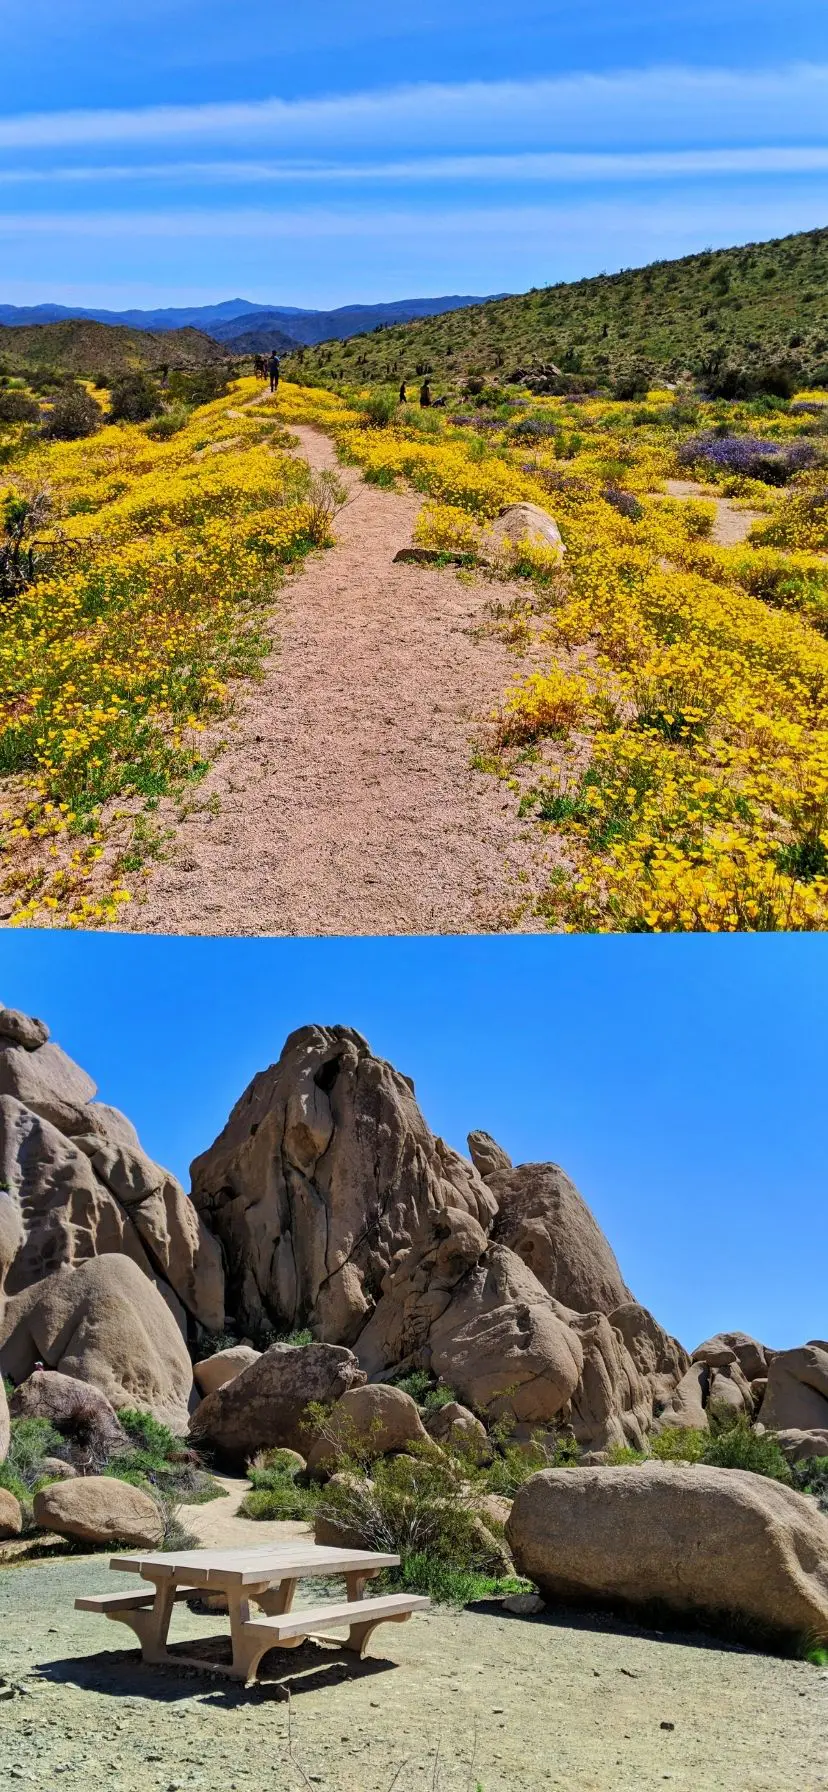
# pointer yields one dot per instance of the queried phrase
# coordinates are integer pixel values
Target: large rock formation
(77, 1409)
(103, 1323)
(323, 1173)
(266, 1405)
(75, 1184)
(715, 1545)
(797, 1391)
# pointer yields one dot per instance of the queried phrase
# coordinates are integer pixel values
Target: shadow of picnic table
(121, 1673)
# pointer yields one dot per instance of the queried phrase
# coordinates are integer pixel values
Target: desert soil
(449, 1701)
(731, 526)
(345, 801)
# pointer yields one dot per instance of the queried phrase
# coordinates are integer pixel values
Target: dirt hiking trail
(345, 801)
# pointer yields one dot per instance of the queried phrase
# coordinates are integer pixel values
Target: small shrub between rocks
(160, 1463)
(275, 1491)
(423, 1573)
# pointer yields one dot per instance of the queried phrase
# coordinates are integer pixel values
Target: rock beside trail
(527, 522)
(379, 1418)
(265, 1406)
(796, 1398)
(103, 1323)
(546, 1222)
(715, 1545)
(214, 1371)
(99, 1509)
(11, 1516)
(323, 1173)
(77, 1409)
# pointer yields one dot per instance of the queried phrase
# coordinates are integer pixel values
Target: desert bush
(159, 1462)
(751, 456)
(201, 386)
(275, 1490)
(737, 1445)
(379, 409)
(167, 423)
(20, 551)
(811, 1476)
(134, 398)
(18, 407)
(678, 1443)
(412, 1504)
(74, 413)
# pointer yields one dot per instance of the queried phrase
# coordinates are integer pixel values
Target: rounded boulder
(99, 1509)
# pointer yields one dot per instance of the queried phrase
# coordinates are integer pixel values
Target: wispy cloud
(554, 167)
(673, 105)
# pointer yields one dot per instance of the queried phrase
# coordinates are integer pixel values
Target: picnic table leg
(277, 1600)
(152, 1627)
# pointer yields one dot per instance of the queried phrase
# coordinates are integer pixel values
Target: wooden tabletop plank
(289, 1560)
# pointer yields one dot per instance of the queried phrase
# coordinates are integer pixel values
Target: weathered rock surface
(545, 1221)
(719, 1352)
(214, 1371)
(456, 1425)
(99, 1509)
(384, 1419)
(799, 1445)
(322, 1174)
(80, 1185)
(796, 1398)
(77, 1409)
(707, 1543)
(22, 1029)
(58, 1470)
(103, 1323)
(4, 1420)
(265, 1406)
(686, 1407)
(486, 1155)
(478, 1319)
(11, 1516)
(527, 522)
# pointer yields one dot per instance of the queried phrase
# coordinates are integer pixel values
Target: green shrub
(423, 1573)
(147, 1433)
(133, 399)
(160, 428)
(412, 1504)
(201, 386)
(811, 1476)
(74, 413)
(427, 1392)
(275, 1491)
(738, 1446)
(18, 407)
(379, 409)
(677, 1443)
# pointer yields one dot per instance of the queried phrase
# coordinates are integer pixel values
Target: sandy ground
(345, 802)
(731, 525)
(449, 1700)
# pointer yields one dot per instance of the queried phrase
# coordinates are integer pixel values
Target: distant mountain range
(245, 327)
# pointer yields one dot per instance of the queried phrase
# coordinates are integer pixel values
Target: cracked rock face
(75, 1184)
(321, 1176)
(546, 1222)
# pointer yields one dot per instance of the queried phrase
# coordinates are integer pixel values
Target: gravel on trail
(450, 1700)
(345, 800)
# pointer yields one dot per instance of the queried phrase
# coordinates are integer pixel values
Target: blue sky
(681, 1082)
(168, 151)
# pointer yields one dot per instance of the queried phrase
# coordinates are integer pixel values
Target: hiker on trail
(274, 368)
(425, 393)
(403, 394)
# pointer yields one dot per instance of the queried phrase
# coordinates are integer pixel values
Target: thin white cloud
(540, 224)
(583, 110)
(554, 167)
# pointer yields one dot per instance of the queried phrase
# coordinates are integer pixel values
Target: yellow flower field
(159, 562)
(679, 744)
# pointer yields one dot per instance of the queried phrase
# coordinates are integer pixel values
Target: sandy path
(345, 802)
(731, 526)
(218, 1526)
(511, 1704)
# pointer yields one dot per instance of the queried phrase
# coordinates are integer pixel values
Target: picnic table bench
(266, 1578)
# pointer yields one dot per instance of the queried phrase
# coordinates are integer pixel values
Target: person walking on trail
(403, 394)
(274, 368)
(425, 393)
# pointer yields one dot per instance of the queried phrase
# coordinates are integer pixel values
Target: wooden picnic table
(265, 1577)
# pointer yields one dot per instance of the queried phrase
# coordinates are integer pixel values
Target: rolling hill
(88, 348)
(761, 304)
(238, 321)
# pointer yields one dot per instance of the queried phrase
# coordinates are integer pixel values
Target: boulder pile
(327, 1206)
